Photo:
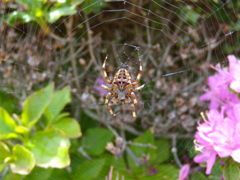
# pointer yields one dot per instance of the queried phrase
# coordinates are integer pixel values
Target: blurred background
(66, 42)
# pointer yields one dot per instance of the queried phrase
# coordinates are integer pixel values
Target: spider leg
(104, 71)
(139, 73)
(133, 110)
(110, 105)
(108, 96)
(133, 97)
(136, 89)
(109, 89)
(129, 101)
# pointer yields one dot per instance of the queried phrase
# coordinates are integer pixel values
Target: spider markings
(123, 90)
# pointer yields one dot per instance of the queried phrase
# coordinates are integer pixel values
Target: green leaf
(39, 174)
(7, 125)
(23, 160)
(164, 172)
(119, 167)
(217, 171)
(231, 171)
(8, 101)
(32, 4)
(62, 116)
(60, 174)
(190, 146)
(2, 167)
(95, 140)
(142, 149)
(35, 104)
(13, 176)
(50, 148)
(144, 154)
(5, 152)
(62, 8)
(22, 17)
(163, 150)
(56, 12)
(69, 126)
(144, 140)
(21, 129)
(89, 169)
(59, 100)
(198, 176)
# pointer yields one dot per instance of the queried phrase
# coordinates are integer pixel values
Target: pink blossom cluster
(218, 93)
(219, 135)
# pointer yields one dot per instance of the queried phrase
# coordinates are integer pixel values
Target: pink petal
(236, 110)
(232, 58)
(201, 157)
(208, 157)
(184, 171)
(210, 163)
(236, 155)
(235, 85)
(232, 61)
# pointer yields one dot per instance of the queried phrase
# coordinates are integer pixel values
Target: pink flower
(218, 135)
(184, 171)
(218, 93)
(218, 89)
(99, 88)
(234, 69)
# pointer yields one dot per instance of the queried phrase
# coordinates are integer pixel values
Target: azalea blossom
(218, 93)
(234, 69)
(218, 136)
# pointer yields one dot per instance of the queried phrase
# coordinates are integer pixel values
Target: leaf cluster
(40, 136)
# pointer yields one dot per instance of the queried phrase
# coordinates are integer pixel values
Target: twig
(90, 40)
(85, 71)
(155, 63)
(54, 36)
(84, 153)
(73, 57)
(170, 135)
(141, 145)
(113, 131)
(91, 114)
(135, 159)
(174, 151)
(132, 130)
(82, 45)
(193, 84)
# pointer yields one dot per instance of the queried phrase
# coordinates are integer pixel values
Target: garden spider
(123, 90)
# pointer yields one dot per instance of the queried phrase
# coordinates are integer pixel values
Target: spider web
(176, 48)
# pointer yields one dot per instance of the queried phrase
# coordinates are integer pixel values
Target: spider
(123, 90)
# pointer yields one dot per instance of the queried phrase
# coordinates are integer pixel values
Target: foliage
(44, 12)
(172, 35)
(40, 136)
